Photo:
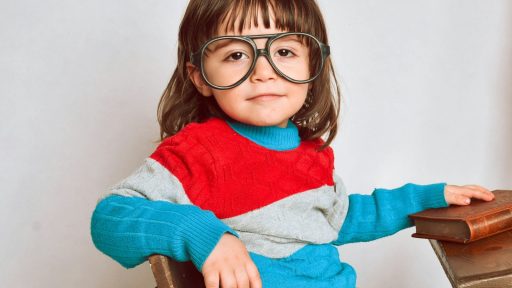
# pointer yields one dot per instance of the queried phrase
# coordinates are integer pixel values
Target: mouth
(265, 97)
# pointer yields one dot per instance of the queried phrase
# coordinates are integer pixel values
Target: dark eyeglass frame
(196, 58)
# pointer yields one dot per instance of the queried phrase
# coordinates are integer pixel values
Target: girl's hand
(461, 195)
(230, 265)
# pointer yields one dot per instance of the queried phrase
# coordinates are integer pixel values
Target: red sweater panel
(230, 175)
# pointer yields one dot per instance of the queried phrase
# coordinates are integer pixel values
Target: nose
(263, 71)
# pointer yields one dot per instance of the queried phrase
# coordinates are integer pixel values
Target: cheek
(302, 92)
(227, 102)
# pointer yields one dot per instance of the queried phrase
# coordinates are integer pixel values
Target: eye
(236, 56)
(284, 53)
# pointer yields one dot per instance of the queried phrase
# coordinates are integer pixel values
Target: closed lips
(262, 96)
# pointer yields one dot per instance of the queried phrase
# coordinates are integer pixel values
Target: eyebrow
(222, 43)
(295, 39)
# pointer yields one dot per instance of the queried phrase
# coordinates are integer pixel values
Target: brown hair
(182, 104)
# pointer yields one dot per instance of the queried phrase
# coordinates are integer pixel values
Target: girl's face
(263, 99)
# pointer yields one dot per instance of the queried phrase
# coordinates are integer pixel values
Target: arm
(130, 229)
(141, 216)
(385, 212)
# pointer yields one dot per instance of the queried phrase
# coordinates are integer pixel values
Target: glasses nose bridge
(262, 71)
(261, 52)
(265, 53)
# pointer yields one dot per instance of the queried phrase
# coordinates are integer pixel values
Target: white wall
(428, 98)
(427, 95)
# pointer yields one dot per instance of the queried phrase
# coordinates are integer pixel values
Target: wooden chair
(172, 274)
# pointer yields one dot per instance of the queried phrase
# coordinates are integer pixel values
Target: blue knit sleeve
(129, 229)
(385, 212)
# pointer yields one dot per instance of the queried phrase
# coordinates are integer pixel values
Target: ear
(195, 76)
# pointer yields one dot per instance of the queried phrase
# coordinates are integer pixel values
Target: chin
(262, 121)
(271, 123)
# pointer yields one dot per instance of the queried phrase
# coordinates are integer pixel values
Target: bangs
(294, 16)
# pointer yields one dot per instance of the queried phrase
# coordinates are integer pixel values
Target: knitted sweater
(279, 195)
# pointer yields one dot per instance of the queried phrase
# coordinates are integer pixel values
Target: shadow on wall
(504, 114)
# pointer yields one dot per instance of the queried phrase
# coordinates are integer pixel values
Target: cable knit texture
(278, 194)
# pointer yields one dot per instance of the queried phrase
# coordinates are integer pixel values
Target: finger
(211, 280)
(242, 279)
(254, 275)
(484, 190)
(228, 279)
(483, 194)
(478, 187)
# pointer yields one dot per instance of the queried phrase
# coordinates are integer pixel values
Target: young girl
(242, 184)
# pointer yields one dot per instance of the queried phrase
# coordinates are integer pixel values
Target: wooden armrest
(172, 274)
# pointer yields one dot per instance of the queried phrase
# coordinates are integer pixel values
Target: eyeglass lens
(226, 61)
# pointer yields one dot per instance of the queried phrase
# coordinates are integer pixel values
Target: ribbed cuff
(430, 196)
(202, 232)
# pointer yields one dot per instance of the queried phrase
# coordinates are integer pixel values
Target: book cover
(465, 224)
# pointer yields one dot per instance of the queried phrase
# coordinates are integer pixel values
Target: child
(242, 184)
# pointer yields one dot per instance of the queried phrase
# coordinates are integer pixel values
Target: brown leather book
(483, 263)
(465, 224)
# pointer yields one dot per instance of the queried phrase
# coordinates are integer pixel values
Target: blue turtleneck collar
(271, 137)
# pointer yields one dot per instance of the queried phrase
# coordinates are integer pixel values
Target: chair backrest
(172, 274)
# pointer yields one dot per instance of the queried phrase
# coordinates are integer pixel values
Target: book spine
(490, 224)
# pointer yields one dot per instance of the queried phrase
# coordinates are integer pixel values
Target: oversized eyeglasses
(226, 61)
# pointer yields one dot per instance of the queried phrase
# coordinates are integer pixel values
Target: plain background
(427, 98)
